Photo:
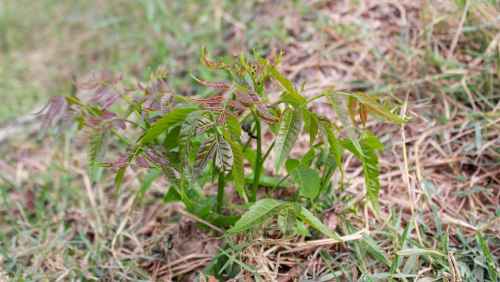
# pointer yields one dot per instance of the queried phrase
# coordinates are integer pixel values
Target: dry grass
(440, 173)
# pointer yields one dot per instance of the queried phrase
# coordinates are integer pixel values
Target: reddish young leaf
(56, 105)
(222, 119)
(99, 94)
(110, 101)
(122, 124)
(236, 105)
(351, 104)
(151, 104)
(214, 85)
(142, 162)
(243, 97)
(212, 100)
(363, 114)
(139, 85)
(266, 119)
(153, 156)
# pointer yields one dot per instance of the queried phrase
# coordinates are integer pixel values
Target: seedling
(195, 142)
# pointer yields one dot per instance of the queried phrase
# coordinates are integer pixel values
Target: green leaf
(238, 167)
(172, 196)
(225, 155)
(188, 130)
(260, 212)
(286, 97)
(135, 104)
(288, 132)
(205, 153)
(329, 138)
(340, 106)
(172, 139)
(291, 164)
(96, 149)
(310, 124)
(233, 125)
(371, 169)
(169, 174)
(308, 180)
(308, 158)
(302, 229)
(266, 180)
(313, 221)
(167, 121)
(286, 222)
(284, 82)
(372, 105)
(369, 138)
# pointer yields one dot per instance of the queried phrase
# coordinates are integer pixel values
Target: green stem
(258, 164)
(312, 99)
(220, 192)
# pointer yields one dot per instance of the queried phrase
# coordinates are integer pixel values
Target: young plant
(195, 142)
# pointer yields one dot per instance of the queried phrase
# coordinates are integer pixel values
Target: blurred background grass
(45, 45)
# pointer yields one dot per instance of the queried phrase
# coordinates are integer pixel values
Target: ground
(440, 187)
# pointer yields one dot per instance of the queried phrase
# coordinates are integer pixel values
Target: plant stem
(258, 165)
(312, 99)
(220, 192)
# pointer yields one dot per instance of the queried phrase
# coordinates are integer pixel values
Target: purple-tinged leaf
(99, 94)
(236, 105)
(243, 97)
(166, 100)
(212, 100)
(56, 105)
(203, 124)
(205, 153)
(222, 119)
(110, 101)
(266, 119)
(225, 154)
(118, 79)
(122, 124)
(139, 85)
(153, 156)
(142, 162)
(133, 167)
(153, 119)
(151, 104)
(214, 85)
